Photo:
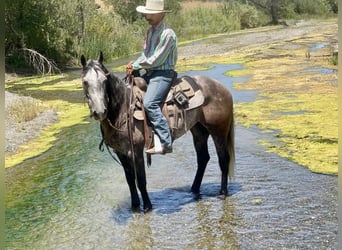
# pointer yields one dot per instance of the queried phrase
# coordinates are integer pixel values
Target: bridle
(128, 120)
(103, 70)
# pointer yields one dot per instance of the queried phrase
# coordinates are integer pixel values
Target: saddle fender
(173, 108)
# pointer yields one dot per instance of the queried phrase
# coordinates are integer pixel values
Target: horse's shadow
(172, 200)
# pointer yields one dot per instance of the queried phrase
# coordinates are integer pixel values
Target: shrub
(113, 36)
(26, 110)
(312, 7)
(198, 21)
(250, 17)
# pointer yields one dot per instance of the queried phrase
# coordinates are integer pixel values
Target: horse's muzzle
(99, 115)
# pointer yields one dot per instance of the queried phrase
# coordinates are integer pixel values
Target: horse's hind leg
(224, 158)
(200, 138)
(130, 178)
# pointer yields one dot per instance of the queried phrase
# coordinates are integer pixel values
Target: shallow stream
(76, 197)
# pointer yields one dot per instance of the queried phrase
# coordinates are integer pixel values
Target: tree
(30, 27)
(276, 9)
(51, 28)
(334, 6)
(281, 9)
(24, 25)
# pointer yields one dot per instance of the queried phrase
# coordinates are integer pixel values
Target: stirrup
(156, 147)
(155, 143)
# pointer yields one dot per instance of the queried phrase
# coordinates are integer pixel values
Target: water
(76, 197)
(319, 46)
(217, 72)
(321, 70)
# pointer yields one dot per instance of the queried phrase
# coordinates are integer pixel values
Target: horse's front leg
(130, 178)
(141, 178)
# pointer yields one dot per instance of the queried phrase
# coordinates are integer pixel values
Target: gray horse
(108, 98)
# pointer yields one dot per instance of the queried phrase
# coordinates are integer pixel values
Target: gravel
(20, 133)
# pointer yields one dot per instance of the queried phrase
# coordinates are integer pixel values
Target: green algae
(305, 126)
(298, 104)
(61, 93)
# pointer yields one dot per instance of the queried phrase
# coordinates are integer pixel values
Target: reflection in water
(206, 224)
(215, 223)
(139, 232)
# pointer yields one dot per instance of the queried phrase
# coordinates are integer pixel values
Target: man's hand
(129, 68)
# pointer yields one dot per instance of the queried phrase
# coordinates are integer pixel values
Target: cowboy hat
(152, 7)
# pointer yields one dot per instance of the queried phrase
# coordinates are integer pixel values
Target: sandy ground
(17, 134)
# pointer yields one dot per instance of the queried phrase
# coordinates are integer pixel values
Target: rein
(114, 127)
(129, 120)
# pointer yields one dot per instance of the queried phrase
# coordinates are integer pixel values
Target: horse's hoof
(222, 195)
(196, 196)
(147, 209)
(136, 209)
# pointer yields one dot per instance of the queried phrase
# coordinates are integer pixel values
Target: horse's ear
(100, 57)
(83, 61)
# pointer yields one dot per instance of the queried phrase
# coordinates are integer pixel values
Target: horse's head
(94, 81)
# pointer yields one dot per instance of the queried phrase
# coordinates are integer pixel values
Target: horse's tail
(231, 148)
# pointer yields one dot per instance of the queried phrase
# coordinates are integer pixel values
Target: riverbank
(19, 133)
(257, 48)
(64, 106)
(297, 103)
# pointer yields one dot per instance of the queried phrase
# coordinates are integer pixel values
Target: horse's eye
(85, 83)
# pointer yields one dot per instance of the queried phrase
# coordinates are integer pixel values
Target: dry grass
(67, 101)
(103, 6)
(26, 110)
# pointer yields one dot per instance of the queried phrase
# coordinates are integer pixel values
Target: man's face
(154, 19)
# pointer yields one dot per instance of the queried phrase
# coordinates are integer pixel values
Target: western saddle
(184, 95)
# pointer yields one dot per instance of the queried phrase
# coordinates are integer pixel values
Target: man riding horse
(208, 107)
(158, 59)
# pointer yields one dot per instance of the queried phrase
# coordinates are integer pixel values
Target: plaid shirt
(160, 50)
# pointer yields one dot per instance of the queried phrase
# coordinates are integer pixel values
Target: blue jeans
(159, 84)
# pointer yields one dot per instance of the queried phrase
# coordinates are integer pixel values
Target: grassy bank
(61, 93)
(297, 101)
